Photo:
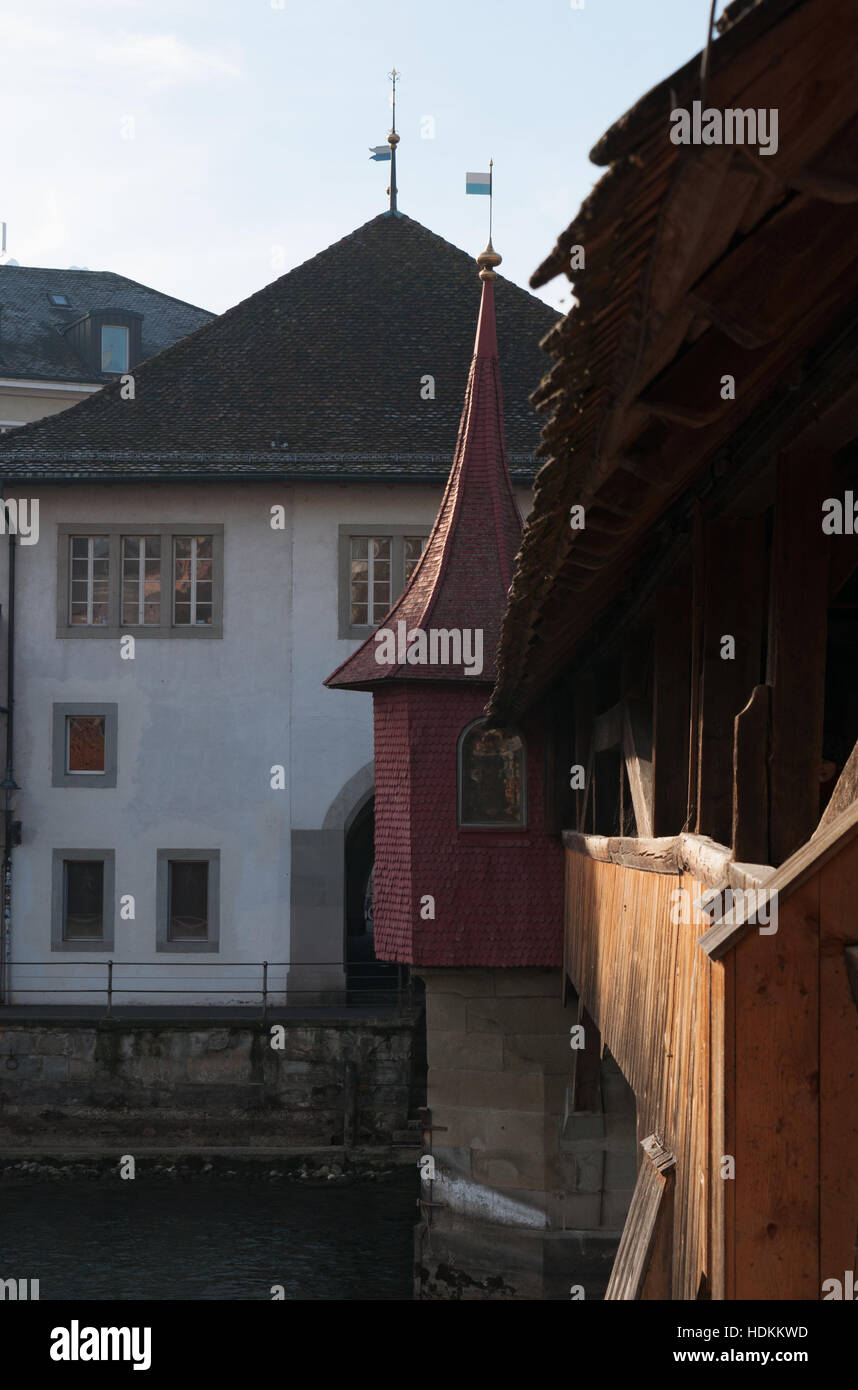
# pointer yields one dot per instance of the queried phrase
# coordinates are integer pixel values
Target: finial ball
(487, 260)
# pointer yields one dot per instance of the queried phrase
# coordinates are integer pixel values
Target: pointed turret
(454, 602)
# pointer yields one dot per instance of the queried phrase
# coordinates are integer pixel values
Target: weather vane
(388, 151)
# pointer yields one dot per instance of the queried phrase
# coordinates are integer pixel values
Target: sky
(206, 148)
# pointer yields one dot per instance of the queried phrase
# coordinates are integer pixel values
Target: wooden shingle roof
(703, 263)
(463, 576)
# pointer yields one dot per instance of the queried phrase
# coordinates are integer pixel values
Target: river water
(213, 1240)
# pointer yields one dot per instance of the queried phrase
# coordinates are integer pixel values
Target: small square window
(114, 348)
(61, 300)
(84, 745)
(82, 900)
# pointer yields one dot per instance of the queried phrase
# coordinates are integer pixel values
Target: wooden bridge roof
(702, 261)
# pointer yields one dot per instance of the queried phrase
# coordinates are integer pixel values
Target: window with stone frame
(376, 563)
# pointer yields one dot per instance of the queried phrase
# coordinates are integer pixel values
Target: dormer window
(108, 340)
(491, 778)
(114, 347)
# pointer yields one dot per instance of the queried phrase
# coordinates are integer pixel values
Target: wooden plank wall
(648, 987)
(775, 1120)
(838, 1040)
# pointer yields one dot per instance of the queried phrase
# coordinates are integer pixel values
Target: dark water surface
(210, 1240)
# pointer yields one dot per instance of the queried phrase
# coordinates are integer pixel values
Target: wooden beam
(762, 287)
(584, 742)
(645, 1220)
(688, 392)
(845, 792)
(608, 729)
(697, 590)
(711, 864)
(797, 642)
(671, 706)
(734, 585)
(637, 749)
(750, 778)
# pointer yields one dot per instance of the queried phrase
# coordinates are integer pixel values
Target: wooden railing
(633, 919)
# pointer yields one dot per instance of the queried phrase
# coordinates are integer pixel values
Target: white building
(194, 803)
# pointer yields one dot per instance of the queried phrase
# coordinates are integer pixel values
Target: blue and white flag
(380, 152)
(478, 183)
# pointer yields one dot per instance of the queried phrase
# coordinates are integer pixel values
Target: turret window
(491, 778)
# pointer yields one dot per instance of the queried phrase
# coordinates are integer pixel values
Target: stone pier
(534, 1145)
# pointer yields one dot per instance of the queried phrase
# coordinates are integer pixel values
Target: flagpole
(491, 164)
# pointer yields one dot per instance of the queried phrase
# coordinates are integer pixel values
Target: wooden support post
(671, 708)
(797, 647)
(584, 710)
(697, 589)
(734, 586)
(751, 779)
(637, 749)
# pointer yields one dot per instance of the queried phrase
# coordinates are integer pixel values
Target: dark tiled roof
(327, 360)
(32, 344)
(463, 576)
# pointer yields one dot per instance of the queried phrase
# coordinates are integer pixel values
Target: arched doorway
(366, 977)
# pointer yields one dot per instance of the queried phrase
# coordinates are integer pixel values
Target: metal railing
(368, 984)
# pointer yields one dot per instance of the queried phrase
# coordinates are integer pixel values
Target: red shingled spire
(460, 585)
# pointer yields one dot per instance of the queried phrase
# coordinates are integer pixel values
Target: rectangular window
(370, 579)
(193, 581)
(151, 580)
(376, 563)
(82, 900)
(414, 547)
(89, 586)
(141, 580)
(114, 348)
(188, 900)
(83, 908)
(85, 744)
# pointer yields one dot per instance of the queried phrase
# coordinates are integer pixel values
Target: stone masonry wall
(533, 1192)
(112, 1080)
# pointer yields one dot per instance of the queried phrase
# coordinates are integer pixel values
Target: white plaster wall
(201, 722)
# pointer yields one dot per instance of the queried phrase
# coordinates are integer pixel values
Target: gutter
(8, 785)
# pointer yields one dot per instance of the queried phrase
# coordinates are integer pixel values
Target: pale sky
(204, 148)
